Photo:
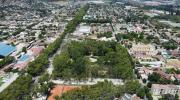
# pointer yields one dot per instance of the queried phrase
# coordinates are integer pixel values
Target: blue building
(6, 50)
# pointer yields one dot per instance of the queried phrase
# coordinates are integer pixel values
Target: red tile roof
(36, 50)
(58, 90)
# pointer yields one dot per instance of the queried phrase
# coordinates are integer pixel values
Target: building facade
(146, 49)
(158, 89)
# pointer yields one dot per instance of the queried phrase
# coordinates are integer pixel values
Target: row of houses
(159, 89)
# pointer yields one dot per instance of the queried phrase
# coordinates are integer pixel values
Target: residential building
(177, 77)
(174, 63)
(129, 97)
(158, 89)
(147, 49)
(163, 74)
(144, 72)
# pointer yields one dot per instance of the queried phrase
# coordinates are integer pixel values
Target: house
(159, 58)
(144, 72)
(22, 62)
(174, 63)
(175, 53)
(158, 89)
(35, 51)
(130, 97)
(26, 58)
(143, 57)
(20, 65)
(177, 77)
(154, 64)
(84, 29)
(163, 74)
(165, 54)
(147, 49)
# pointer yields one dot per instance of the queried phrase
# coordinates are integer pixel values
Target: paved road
(89, 81)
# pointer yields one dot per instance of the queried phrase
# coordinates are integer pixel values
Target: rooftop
(6, 50)
(160, 86)
(173, 63)
(24, 58)
(59, 90)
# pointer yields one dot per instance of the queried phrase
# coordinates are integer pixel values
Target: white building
(146, 49)
(158, 89)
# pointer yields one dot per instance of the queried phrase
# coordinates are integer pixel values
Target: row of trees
(7, 60)
(139, 37)
(106, 34)
(132, 36)
(134, 87)
(173, 18)
(153, 39)
(23, 87)
(101, 91)
(169, 97)
(43, 85)
(106, 91)
(113, 61)
(170, 45)
(135, 17)
(97, 20)
(156, 78)
(158, 25)
(38, 66)
(19, 30)
(18, 90)
(172, 71)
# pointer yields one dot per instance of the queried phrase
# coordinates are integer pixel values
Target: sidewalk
(9, 79)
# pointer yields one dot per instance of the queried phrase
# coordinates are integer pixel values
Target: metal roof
(6, 50)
